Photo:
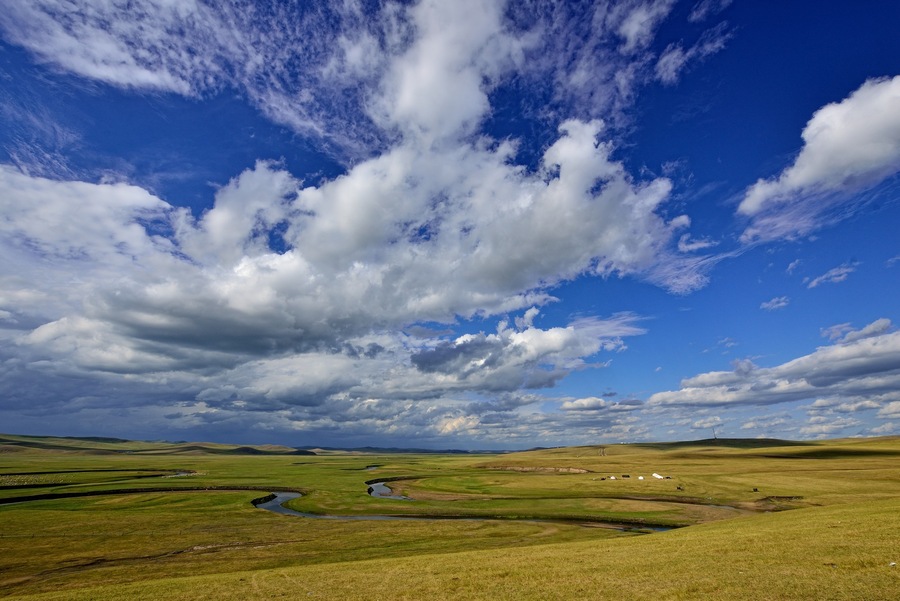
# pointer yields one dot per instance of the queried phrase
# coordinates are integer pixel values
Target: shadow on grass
(728, 443)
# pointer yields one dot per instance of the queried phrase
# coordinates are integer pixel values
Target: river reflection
(381, 491)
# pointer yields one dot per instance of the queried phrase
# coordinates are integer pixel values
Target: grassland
(766, 520)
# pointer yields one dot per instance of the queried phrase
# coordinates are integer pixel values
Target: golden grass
(834, 553)
(174, 544)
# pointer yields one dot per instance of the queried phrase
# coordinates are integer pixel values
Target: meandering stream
(380, 490)
(276, 505)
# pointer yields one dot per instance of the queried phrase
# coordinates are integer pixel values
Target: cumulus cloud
(822, 427)
(284, 304)
(379, 247)
(437, 87)
(859, 369)
(135, 291)
(839, 406)
(595, 404)
(528, 358)
(891, 410)
(848, 147)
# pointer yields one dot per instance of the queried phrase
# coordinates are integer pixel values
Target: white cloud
(890, 411)
(597, 405)
(530, 358)
(884, 429)
(279, 57)
(832, 276)
(849, 146)
(674, 59)
(706, 8)
(639, 20)
(527, 320)
(769, 423)
(586, 404)
(837, 331)
(381, 246)
(133, 291)
(707, 422)
(236, 228)
(283, 305)
(686, 245)
(590, 61)
(352, 75)
(437, 88)
(857, 370)
(844, 332)
(836, 405)
(821, 427)
(93, 40)
(779, 302)
(76, 219)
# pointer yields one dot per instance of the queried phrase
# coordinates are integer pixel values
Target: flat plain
(715, 519)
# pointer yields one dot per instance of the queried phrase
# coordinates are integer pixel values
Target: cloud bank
(285, 305)
(864, 367)
(404, 297)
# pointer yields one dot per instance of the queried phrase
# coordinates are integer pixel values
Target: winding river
(380, 490)
(276, 505)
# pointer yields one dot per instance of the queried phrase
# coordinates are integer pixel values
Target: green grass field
(760, 520)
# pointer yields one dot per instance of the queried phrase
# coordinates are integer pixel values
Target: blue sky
(468, 224)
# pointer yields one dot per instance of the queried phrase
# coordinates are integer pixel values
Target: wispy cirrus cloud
(348, 73)
(845, 332)
(283, 59)
(675, 58)
(706, 8)
(832, 276)
(779, 302)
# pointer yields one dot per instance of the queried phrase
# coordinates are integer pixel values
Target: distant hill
(393, 450)
(101, 445)
(98, 445)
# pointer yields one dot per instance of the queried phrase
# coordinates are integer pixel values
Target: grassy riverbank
(836, 542)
